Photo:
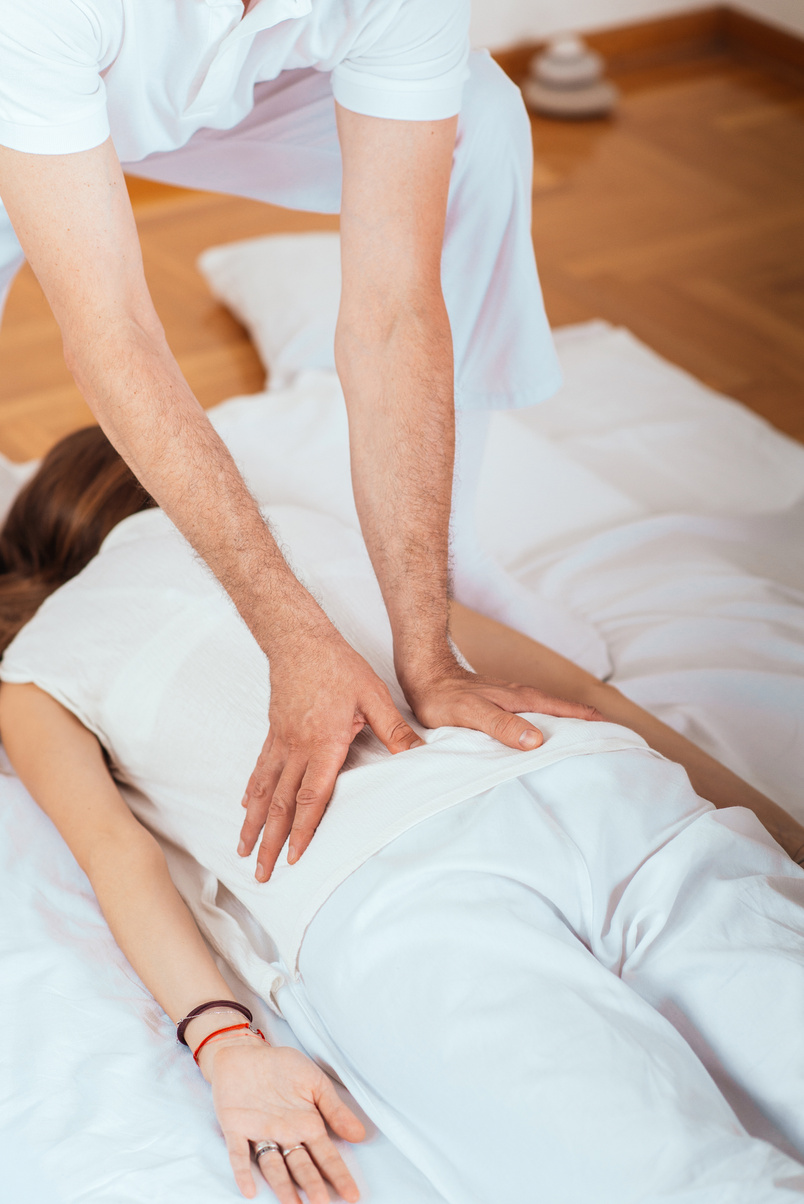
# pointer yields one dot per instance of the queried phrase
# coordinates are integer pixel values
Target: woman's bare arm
(496, 650)
(62, 765)
(259, 1092)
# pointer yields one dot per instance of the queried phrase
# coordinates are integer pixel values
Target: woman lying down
(541, 973)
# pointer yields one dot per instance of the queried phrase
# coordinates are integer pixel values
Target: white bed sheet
(670, 517)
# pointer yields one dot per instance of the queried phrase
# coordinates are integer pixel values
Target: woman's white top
(153, 72)
(147, 650)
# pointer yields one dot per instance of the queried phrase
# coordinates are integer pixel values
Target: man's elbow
(95, 347)
(413, 318)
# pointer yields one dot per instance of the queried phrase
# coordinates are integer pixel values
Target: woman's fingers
(334, 1169)
(338, 1115)
(308, 1166)
(276, 1174)
(307, 1175)
(240, 1158)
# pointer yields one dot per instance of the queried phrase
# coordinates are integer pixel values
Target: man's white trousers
(286, 152)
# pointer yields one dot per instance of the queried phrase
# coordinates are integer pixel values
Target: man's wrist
(421, 662)
(292, 619)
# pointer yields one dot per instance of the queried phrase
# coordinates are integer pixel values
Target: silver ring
(265, 1147)
(290, 1149)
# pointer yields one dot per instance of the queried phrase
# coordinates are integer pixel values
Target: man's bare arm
(394, 357)
(73, 217)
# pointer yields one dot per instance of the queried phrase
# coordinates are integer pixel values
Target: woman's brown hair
(59, 520)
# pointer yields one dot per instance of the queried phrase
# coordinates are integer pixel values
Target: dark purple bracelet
(207, 1007)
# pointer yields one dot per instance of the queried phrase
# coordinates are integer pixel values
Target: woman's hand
(267, 1093)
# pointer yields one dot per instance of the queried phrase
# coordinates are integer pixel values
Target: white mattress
(668, 516)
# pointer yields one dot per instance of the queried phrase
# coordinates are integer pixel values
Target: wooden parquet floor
(682, 218)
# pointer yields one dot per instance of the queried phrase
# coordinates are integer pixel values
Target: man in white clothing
(351, 106)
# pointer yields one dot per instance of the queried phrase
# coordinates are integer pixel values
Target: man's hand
(456, 697)
(322, 694)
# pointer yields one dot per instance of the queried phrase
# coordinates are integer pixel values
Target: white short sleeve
(52, 96)
(411, 67)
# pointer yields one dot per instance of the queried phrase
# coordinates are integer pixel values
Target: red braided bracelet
(232, 1028)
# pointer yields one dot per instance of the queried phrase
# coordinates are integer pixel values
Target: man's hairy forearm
(146, 408)
(397, 375)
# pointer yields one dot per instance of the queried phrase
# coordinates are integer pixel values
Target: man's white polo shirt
(152, 72)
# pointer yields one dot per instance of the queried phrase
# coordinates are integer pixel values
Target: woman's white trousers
(546, 995)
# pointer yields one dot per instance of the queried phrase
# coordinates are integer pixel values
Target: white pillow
(292, 445)
(285, 289)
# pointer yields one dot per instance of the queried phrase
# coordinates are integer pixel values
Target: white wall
(499, 23)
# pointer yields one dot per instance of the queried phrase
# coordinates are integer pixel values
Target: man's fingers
(496, 715)
(262, 760)
(278, 821)
(503, 725)
(388, 726)
(510, 729)
(312, 798)
(259, 792)
(524, 698)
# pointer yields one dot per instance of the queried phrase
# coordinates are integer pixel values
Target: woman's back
(148, 651)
